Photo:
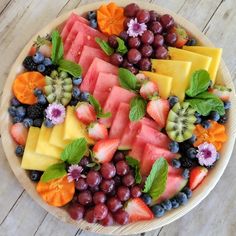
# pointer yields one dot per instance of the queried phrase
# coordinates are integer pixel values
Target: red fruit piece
(148, 90)
(85, 112)
(89, 216)
(32, 51)
(108, 220)
(158, 109)
(97, 131)
(182, 36)
(222, 92)
(105, 149)
(19, 133)
(197, 175)
(138, 210)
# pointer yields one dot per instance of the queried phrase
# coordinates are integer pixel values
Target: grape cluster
(100, 196)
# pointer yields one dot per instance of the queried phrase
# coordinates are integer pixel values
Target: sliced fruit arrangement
(119, 115)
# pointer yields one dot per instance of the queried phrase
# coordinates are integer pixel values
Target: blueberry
(42, 99)
(176, 163)
(73, 102)
(20, 111)
(166, 205)
(197, 114)
(19, 151)
(27, 122)
(37, 92)
(41, 68)
(17, 119)
(15, 102)
(191, 153)
(77, 81)
(12, 111)
(192, 139)
(92, 15)
(158, 210)
(146, 198)
(198, 120)
(174, 147)
(181, 198)
(84, 96)
(47, 61)
(38, 57)
(185, 174)
(214, 115)
(227, 105)
(187, 191)
(35, 175)
(206, 124)
(93, 23)
(223, 119)
(174, 203)
(173, 100)
(76, 93)
(191, 42)
(38, 122)
(48, 123)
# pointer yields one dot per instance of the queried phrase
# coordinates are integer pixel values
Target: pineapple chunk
(43, 145)
(31, 160)
(163, 82)
(178, 70)
(74, 128)
(214, 53)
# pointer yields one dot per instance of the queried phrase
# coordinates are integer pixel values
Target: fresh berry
(77, 81)
(93, 178)
(35, 175)
(84, 162)
(121, 217)
(158, 210)
(167, 21)
(12, 111)
(206, 124)
(84, 96)
(221, 91)
(85, 112)
(173, 100)
(41, 68)
(185, 174)
(174, 147)
(19, 133)
(147, 198)
(29, 64)
(136, 191)
(48, 123)
(167, 206)
(122, 168)
(81, 184)
(42, 100)
(197, 174)
(100, 211)
(93, 23)
(76, 93)
(138, 210)
(85, 197)
(128, 180)
(198, 120)
(20, 111)
(38, 92)
(19, 151)
(45, 50)
(119, 156)
(223, 119)
(108, 220)
(192, 139)
(38, 57)
(176, 163)
(123, 193)
(117, 180)
(108, 170)
(158, 109)
(33, 50)
(192, 42)
(182, 36)
(97, 131)
(112, 41)
(131, 10)
(92, 15)
(89, 216)
(99, 197)
(47, 61)
(107, 185)
(114, 204)
(76, 211)
(187, 191)
(174, 203)
(16, 119)
(73, 102)
(28, 122)
(143, 16)
(35, 111)
(186, 162)
(104, 149)
(227, 105)
(38, 122)
(191, 153)
(15, 102)
(181, 198)
(148, 90)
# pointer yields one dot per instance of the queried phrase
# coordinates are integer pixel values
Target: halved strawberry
(138, 210)
(197, 174)
(97, 131)
(19, 133)
(148, 90)
(32, 51)
(221, 91)
(46, 50)
(182, 36)
(158, 109)
(104, 149)
(85, 112)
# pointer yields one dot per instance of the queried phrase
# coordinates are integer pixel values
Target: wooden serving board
(199, 194)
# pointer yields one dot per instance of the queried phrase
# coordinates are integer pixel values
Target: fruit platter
(118, 117)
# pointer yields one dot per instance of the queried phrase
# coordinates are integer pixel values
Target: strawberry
(141, 77)
(221, 91)
(138, 210)
(46, 50)
(197, 174)
(148, 90)
(158, 109)
(19, 133)
(85, 112)
(32, 51)
(182, 36)
(97, 131)
(104, 149)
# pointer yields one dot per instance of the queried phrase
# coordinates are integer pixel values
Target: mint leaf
(137, 108)
(155, 183)
(72, 68)
(136, 166)
(206, 102)
(53, 172)
(127, 79)
(74, 151)
(104, 115)
(57, 47)
(122, 49)
(199, 83)
(104, 46)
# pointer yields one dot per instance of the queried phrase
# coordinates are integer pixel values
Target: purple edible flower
(74, 172)
(135, 29)
(56, 113)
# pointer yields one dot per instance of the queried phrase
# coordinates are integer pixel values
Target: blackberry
(186, 162)
(35, 111)
(223, 119)
(49, 69)
(29, 64)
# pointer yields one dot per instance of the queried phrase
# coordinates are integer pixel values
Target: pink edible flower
(56, 113)
(74, 172)
(135, 29)
(207, 154)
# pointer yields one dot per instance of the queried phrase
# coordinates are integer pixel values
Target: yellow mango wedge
(31, 160)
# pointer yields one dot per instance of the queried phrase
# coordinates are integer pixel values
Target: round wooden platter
(139, 227)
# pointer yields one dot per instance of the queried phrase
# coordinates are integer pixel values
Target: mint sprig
(57, 47)
(137, 108)
(104, 46)
(155, 183)
(70, 67)
(136, 166)
(127, 79)
(122, 49)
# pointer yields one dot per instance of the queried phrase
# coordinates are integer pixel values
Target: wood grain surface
(19, 214)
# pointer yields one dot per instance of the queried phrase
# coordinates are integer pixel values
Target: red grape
(108, 220)
(108, 170)
(156, 27)
(131, 10)
(134, 56)
(100, 211)
(161, 53)
(94, 189)
(117, 180)
(125, 23)
(121, 217)
(158, 40)
(134, 42)
(145, 64)
(85, 197)
(107, 185)
(89, 216)
(146, 50)
(116, 59)
(147, 37)
(167, 21)
(84, 161)
(123, 193)
(126, 64)
(99, 197)
(114, 204)
(143, 16)
(171, 38)
(136, 191)
(124, 35)
(122, 168)
(119, 156)
(93, 178)
(112, 41)
(133, 69)
(128, 180)
(81, 184)
(76, 211)
(153, 16)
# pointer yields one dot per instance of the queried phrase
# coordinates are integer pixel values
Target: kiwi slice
(58, 87)
(180, 122)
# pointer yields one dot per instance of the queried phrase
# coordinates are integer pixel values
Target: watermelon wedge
(97, 66)
(104, 84)
(116, 96)
(87, 55)
(120, 120)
